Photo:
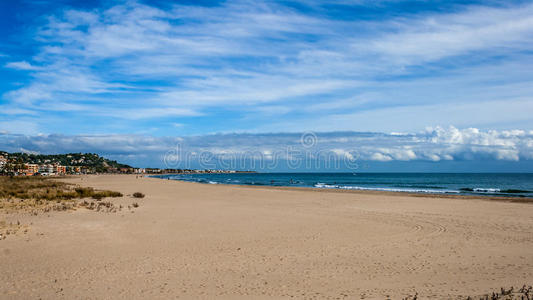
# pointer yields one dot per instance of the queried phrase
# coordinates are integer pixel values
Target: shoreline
(516, 199)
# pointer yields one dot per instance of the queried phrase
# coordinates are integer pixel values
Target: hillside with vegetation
(89, 160)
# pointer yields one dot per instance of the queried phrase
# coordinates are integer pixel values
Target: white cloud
(438, 144)
(282, 68)
(380, 157)
(21, 65)
(148, 113)
(436, 37)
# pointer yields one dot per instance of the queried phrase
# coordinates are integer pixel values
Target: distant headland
(29, 164)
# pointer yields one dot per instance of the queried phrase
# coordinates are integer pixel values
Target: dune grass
(38, 192)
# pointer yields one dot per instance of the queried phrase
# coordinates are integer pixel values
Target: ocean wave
(255, 183)
(494, 191)
(401, 185)
(408, 190)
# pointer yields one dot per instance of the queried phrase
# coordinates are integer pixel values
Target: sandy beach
(188, 240)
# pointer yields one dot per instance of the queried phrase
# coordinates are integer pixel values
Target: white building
(47, 169)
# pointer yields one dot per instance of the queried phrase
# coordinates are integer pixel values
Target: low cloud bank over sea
(434, 145)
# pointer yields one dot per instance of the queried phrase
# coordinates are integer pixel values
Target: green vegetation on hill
(89, 160)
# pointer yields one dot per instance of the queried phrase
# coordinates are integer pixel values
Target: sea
(484, 184)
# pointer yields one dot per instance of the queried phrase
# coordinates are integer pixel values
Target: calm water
(518, 185)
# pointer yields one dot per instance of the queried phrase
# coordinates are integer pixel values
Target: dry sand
(188, 240)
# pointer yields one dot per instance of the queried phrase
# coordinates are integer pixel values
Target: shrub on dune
(138, 195)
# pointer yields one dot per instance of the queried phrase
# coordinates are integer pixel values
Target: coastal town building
(46, 169)
(3, 162)
(31, 169)
(60, 169)
(73, 169)
(153, 171)
(126, 170)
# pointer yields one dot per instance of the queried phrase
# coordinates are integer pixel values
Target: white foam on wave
(487, 190)
(349, 187)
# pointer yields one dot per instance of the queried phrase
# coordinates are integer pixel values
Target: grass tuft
(138, 195)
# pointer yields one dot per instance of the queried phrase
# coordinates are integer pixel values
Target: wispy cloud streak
(134, 62)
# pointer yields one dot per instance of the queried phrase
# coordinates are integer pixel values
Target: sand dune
(190, 240)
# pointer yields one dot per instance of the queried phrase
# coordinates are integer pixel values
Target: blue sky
(160, 71)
